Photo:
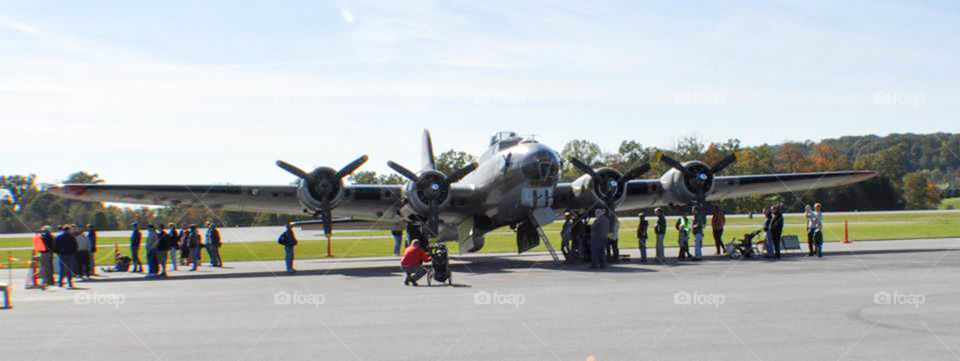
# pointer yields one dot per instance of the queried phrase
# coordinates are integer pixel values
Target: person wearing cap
(642, 227)
(213, 245)
(599, 236)
(46, 256)
(412, 263)
(660, 229)
(135, 239)
(288, 240)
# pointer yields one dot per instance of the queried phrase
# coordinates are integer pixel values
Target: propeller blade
(675, 164)
(634, 173)
(583, 167)
(723, 163)
(403, 171)
(350, 168)
(293, 169)
(427, 159)
(462, 172)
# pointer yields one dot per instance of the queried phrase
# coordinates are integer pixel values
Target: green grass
(950, 202)
(862, 227)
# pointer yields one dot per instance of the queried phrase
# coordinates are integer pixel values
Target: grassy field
(947, 203)
(862, 227)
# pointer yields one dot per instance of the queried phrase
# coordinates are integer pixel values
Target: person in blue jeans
(135, 239)
(288, 240)
(397, 232)
(816, 227)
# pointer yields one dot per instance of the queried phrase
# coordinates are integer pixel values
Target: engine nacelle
(683, 187)
(586, 189)
(323, 184)
(430, 186)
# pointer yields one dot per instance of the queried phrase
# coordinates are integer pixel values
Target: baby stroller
(439, 269)
(744, 248)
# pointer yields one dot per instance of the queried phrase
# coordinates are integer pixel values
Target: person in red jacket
(412, 263)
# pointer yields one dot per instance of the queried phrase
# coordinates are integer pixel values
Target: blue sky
(215, 92)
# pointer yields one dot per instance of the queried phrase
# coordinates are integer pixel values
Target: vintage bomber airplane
(516, 184)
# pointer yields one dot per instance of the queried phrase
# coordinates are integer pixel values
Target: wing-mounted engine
(429, 191)
(322, 189)
(690, 182)
(603, 184)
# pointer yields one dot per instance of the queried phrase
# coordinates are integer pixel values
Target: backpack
(283, 240)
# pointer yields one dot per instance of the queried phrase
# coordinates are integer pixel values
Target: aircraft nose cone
(541, 166)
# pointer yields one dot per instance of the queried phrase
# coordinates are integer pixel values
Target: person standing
(153, 241)
(808, 213)
(767, 222)
(213, 245)
(289, 240)
(642, 237)
(817, 228)
(599, 236)
(660, 230)
(135, 239)
(699, 223)
(717, 223)
(613, 243)
(566, 235)
(174, 239)
(65, 245)
(46, 257)
(683, 228)
(92, 235)
(163, 249)
(83, 254)
(412, 263)
(776, 228)
(184, 246)
(194, 243)
(397, 232)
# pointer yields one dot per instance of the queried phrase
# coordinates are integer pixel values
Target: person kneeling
(412, 263)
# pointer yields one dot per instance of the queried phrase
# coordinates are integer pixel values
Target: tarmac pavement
(868, 300)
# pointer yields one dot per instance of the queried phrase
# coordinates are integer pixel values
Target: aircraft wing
(362, 202)
(726, 187)
(649, 193)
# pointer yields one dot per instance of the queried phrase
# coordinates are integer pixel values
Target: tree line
(914, 172)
